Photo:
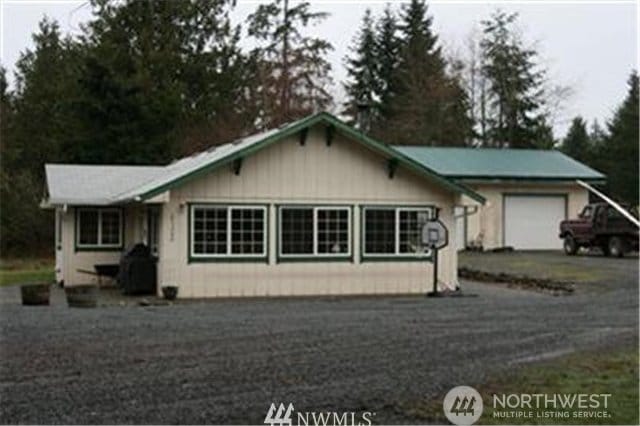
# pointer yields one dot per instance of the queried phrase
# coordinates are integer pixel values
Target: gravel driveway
(227, 361)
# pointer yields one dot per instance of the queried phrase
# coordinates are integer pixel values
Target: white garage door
(531, 222)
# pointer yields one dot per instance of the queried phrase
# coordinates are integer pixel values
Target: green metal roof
(495, 163)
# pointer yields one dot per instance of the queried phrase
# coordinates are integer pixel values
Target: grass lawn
(614, 373)
(557, 266)
(21, 271)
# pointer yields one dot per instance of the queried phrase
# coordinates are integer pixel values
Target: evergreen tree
(362, 87)
(46, 85)
(577, 144)
(516, 95)
(158, 76)
(6, 118)
(428, 106)
(622, 147)
(36, 123)
(597, 147)
(388, 45)
(293, 70)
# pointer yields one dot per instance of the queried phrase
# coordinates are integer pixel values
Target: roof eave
(521, 179)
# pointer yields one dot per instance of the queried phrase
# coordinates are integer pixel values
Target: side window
(98, 228)
(314, 231)
(613, 213)
(228, 231)
(393, 231)
(586, 212)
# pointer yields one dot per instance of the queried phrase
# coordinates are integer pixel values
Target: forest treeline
(148, 81)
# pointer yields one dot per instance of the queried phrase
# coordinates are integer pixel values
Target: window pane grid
(394, 231)
(247, 236)
(110, 224)
(228, 231)
(314, 231)
(333, 231)
(296, 228)
(88, 225)
(99, 228)
(380, 231)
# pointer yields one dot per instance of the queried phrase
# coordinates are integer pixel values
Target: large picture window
(228, 231)
(394, 231)
(314, 231)
(98, 228)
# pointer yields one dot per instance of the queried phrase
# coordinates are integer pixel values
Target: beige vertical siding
(343, 173)
(488, 221)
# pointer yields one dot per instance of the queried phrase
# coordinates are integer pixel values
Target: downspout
(468, 211)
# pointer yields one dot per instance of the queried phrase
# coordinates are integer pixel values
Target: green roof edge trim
(306, 123)
(526, 178)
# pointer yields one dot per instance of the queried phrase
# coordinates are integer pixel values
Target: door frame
(151, 230)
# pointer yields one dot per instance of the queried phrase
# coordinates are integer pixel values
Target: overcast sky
(591, 47)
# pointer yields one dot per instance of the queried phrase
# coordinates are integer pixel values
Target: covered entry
(531, 220)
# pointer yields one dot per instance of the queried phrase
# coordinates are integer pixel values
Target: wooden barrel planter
(35, 294)
(82, 296)
(170, 292)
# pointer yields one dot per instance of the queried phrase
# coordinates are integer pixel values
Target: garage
(531, 221)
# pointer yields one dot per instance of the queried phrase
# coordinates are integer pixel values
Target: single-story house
(311, 208)
(528, 192)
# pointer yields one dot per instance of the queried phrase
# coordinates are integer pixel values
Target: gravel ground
(227, 361)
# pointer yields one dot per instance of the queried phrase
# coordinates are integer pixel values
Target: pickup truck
(600, 225)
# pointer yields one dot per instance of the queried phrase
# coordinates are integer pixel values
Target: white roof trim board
(112, 184)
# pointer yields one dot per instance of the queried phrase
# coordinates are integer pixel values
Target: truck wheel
(570, 246)
(616, 247)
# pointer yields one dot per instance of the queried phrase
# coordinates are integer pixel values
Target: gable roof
(120, 184)
(94, 184)
(496, 163)
(192, 167)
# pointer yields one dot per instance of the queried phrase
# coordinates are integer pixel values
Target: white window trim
(229, 209)
(99, 245)
(315, 253)
(397, 210)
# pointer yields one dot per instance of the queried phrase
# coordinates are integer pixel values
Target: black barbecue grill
(137, 271)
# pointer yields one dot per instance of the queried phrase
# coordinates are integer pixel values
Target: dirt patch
(556, 288)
